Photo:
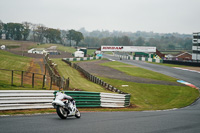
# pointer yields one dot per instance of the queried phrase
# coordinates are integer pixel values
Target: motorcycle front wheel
(77, 114)
(61, 112)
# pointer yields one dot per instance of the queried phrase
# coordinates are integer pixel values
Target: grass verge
(77, 80)
(156, 97)
(137, 71)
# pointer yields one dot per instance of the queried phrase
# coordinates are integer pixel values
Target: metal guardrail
(96, 99)
(128, 57)
(38, 99)
(25, 99)
(93, 78)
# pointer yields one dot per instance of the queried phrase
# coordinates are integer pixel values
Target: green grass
(14, 44)
(137, 71)
(15, 62)
(143, 96)
(11, 62)
(77, 80)
(156, 97)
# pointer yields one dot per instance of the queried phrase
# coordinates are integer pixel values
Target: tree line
(163, 41)
(39, 33)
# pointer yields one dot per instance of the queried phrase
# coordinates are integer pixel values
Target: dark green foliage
(75, 36)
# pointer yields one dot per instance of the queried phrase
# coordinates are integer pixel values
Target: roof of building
(182, 53)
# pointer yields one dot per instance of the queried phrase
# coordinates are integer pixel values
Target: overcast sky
(163, 16)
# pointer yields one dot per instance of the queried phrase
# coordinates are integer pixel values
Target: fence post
(51, 83)
(67, 83)
(59, 83)
(43, 84)
(45, 69)
(33, 80)
(22, 77)
(12, 77)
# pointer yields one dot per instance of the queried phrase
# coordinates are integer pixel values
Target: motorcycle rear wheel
(61, 112)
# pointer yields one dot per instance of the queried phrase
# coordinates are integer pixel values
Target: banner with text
(128, 48)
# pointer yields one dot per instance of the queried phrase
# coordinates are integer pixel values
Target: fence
(56, 79)
(24, 79)
(32, 99)
(34, 80)
(186, 63)
(93, 78)
(97, 80)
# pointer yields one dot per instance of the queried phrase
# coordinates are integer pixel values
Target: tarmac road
(188, 76)
(185, 120)
(175, 121)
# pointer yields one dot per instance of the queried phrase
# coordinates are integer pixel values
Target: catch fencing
(40, 99)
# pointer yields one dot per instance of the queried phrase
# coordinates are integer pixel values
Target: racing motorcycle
(65, 106)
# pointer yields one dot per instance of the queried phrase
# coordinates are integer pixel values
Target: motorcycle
(65, 107)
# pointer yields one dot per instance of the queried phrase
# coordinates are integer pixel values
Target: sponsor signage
(128, 48)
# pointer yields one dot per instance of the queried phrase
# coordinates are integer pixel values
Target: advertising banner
(128, 48)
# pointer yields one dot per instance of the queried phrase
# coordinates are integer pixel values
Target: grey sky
(163, 16)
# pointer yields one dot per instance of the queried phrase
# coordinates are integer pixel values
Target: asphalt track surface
(185, 120)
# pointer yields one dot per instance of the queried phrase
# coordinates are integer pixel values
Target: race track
(185, 120)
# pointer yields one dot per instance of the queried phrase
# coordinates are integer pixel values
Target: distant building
(37, 51)
(180, 56)
(51, 51)
(196, 46)
(183, 56)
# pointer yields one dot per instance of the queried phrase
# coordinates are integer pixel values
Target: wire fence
(49, 80)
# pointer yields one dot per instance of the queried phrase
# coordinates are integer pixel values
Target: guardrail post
(51, 82)
(22, 77)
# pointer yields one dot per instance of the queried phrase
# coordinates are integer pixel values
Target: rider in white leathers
(60, 96)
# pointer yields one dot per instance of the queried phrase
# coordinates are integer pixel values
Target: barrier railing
(128, 57)
(56, 79)
(93, 78)
(96, 99)
(38, 99)
(25, 99)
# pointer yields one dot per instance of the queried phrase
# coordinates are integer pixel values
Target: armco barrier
(95, 99)
(139, 58)
(25, 99)
(38, 99)
(97, 80)
(82, 59)
(92, 77)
